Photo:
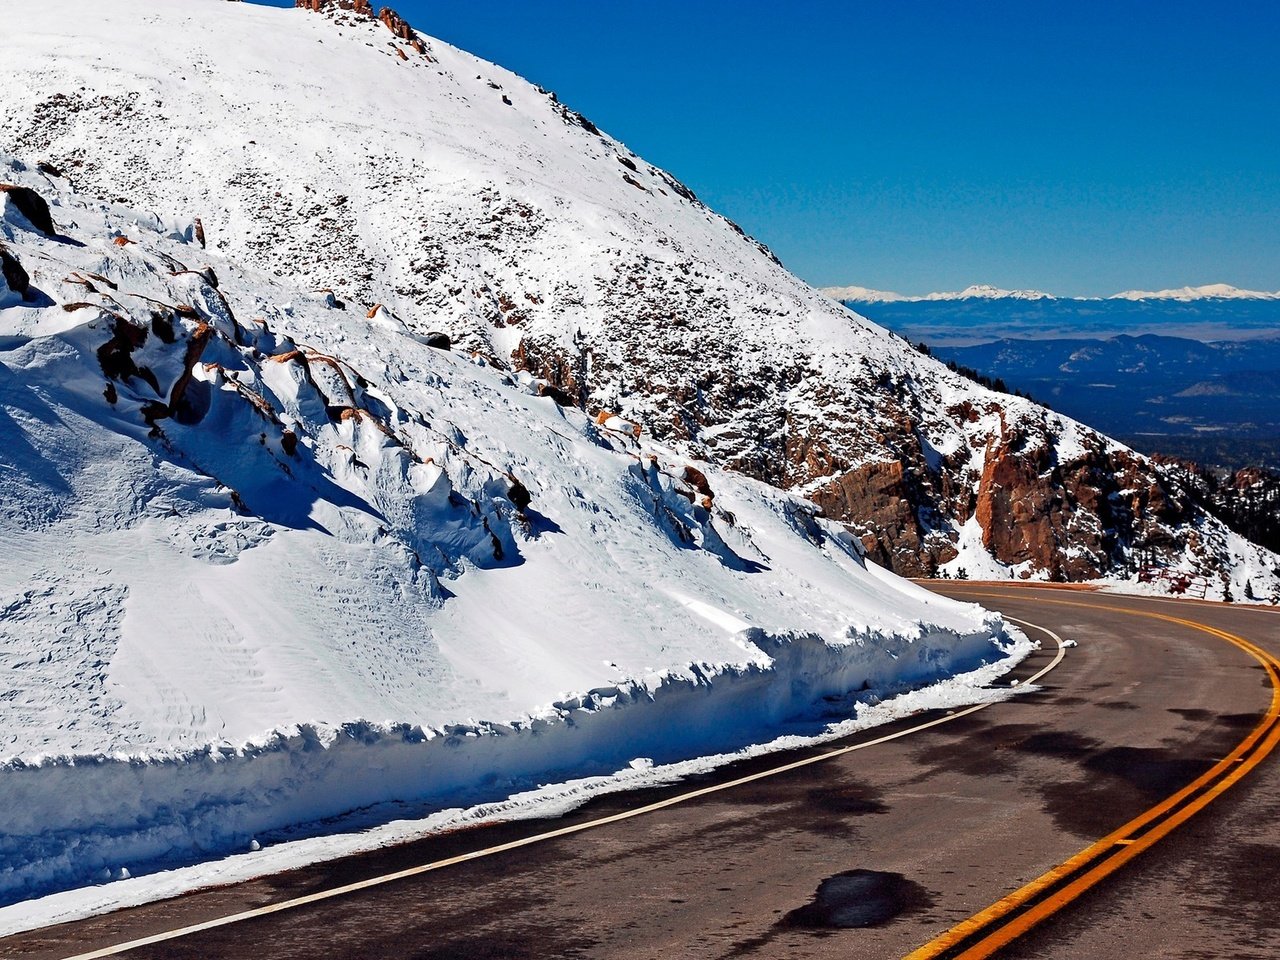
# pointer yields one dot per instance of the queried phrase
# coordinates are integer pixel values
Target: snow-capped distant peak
(1211, 291)
(985, 291)
(863, 294)
(976, 291)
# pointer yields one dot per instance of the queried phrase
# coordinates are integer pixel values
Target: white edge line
(563, 831)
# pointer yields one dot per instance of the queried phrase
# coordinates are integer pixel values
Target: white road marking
(561, 832)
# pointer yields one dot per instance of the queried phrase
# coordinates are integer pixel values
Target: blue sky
(1080, 148)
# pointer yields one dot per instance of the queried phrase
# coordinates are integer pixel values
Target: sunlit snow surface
(207, 637)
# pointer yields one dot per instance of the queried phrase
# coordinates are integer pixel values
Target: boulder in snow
(32, 207)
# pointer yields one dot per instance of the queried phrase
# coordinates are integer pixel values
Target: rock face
(32, 206)
(494, 214)
(877, 500)
(15, 280)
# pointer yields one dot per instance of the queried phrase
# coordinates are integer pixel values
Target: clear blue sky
(1076, 147)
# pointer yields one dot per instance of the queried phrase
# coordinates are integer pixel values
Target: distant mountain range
(983, 313)
(986, 291)
(1148, 386)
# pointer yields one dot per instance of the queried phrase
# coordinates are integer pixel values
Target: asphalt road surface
(1151, 736)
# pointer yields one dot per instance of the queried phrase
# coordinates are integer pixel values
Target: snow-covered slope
(269, 559)
(395, 169)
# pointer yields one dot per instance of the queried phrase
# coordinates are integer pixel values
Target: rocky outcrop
(397, 24)
(14, 277)
(32, 206)
(874, 499)
(361, 7)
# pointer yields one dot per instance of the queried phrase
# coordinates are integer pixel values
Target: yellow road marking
(561, 832)
(1015, 914)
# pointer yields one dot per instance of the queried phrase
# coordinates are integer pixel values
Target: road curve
(906, 845)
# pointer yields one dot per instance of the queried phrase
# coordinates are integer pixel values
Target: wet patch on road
(1236, 721)
(848, 799)
(1236, 897)
(1125, 782)
(786, 805)
(1196, 714)
(1153, 772)
(979, 750)
(858, 898)
(1059, 743)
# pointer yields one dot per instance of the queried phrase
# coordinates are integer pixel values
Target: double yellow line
(1004, 921)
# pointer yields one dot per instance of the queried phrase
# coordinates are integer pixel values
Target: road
(905, 839)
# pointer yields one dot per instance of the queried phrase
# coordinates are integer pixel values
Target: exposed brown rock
(519, 495)
(396, 24)
(698, 480)
(874, 498)
(561, 398)
(32, 206)
(1022, 518)
(360, 7)
(116, 355)
(200, 338)
(15, 277)
(560, 374)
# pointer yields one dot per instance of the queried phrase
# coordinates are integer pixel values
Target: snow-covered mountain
(253, 508)
(985, 291)
(975, 291)
(857, 294)
(395, 169)
(1212, 291)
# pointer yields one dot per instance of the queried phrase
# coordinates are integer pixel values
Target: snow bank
(68, 821)
(400, 823)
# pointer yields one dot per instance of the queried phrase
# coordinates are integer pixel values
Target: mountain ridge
(983, 291)
(512, 223)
